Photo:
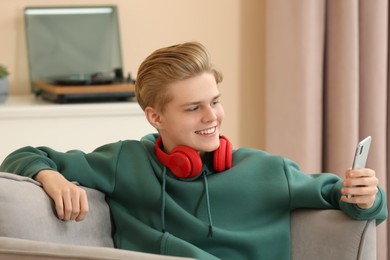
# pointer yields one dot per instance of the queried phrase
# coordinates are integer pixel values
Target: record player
(74, 54)
(70, 92)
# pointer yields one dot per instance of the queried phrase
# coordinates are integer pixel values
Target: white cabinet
(27, 120)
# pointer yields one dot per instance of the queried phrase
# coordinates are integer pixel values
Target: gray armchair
(30, 230)
(330, 234)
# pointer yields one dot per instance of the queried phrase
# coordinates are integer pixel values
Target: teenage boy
(185, 191)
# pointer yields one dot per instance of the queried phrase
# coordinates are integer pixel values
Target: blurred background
(231, 30)
(304, 79)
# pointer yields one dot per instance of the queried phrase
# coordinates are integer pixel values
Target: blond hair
(168, 65)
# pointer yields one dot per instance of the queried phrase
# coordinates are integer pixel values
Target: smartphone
(361, 154)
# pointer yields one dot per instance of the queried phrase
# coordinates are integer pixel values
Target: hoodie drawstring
(206, 187)
(163, 190)
(163, 201)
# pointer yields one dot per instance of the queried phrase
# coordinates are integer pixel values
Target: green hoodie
(241, 213)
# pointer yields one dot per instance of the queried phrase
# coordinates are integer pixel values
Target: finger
(78, 201)
(363, 181)
(346, 173)
(59, 206)
(67, 205)
(357, 173)
(75, 207)
(84, 207)
(360, 191)
(365, 201)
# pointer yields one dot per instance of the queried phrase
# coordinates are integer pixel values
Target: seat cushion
(27, 212)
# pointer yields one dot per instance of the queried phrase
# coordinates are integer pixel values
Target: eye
(215, 102)
(194, 108)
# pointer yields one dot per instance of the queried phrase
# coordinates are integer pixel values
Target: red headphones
(185, 162)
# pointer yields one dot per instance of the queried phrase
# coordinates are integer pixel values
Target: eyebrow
(199, 102)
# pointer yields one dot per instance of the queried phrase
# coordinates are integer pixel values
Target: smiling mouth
(208, 131)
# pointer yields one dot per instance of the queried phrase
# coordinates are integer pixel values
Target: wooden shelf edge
(84, 89)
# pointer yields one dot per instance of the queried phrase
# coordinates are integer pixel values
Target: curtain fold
(327, 86)
(341, 85)
(294, 39)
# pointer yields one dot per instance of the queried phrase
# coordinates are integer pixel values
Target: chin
(209, 145)
(211, 148)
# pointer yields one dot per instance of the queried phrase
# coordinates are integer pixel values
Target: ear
(153, 117)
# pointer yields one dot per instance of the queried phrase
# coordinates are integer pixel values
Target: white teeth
(207, 131)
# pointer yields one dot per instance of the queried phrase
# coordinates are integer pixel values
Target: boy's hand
(362, 185)
(70, 200)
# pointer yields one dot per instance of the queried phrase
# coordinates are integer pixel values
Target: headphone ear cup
(229, 154)
(223, 155)
(183, 161)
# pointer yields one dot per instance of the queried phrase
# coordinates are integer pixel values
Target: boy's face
(194, 116)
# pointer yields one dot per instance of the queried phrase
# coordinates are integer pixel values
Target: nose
(209, 114)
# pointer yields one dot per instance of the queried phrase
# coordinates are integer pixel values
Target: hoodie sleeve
(95, 170)
(323, 191)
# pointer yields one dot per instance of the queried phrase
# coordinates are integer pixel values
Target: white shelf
(27, 120)
(31, 106)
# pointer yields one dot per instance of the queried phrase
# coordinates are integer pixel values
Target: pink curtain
(327, 86)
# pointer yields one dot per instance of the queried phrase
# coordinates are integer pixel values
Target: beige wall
(232, 30)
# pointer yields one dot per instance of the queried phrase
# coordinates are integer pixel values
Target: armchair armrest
(15, 249)
(330, 234)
